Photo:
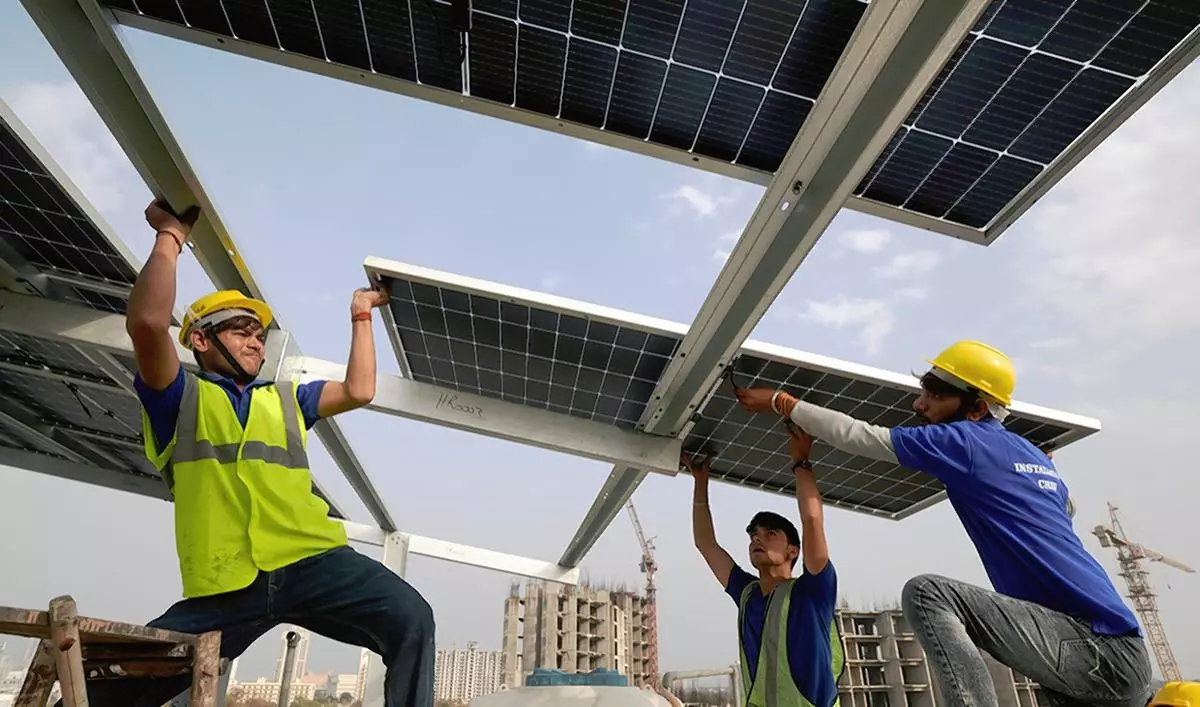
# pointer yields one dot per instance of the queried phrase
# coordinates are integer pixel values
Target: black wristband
(802, 464)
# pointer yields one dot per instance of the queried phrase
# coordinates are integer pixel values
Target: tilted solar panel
(44, 226)
(726, 80)
(752, 449)
(602, 364)
(1031, 78)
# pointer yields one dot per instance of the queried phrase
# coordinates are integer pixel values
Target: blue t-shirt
(162, 406)
(814, 597)
(1012, 503)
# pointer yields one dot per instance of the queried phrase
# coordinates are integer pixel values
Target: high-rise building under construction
(576, 629)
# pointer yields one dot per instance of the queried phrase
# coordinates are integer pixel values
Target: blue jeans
(1075, 666)
(338, 594)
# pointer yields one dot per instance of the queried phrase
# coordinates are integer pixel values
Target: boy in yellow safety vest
(791, 653)
(256, 546)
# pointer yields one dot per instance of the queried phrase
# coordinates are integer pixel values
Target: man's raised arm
(148, 318)
(705, 537)
(358, 388)
(814, 548)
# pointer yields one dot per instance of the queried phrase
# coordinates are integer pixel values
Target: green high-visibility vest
(244, 498)
(773, 685)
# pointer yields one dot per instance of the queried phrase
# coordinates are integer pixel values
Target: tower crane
(648, 567)
(1145, 602)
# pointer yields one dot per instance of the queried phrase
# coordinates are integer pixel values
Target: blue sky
(1090, 293)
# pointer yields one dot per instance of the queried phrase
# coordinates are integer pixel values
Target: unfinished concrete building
(886, 667)
(576, 629)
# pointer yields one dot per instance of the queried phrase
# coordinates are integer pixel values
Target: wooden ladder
(75, 649)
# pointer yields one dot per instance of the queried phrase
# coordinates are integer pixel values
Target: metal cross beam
(90, 43)
(894, 55)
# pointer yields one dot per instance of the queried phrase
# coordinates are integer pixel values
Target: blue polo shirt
(162, 406)
(814, 597)
(1012, 503)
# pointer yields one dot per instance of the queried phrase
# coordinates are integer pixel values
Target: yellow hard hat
(1177, 694)
(981, 367)
(202, 310)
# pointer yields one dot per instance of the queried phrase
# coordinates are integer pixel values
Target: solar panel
(1030, 79)
(752, 449)
(730, 81)
(601, 364)
(586, 365)
(41, 225)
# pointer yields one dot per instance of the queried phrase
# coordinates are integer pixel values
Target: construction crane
(648, 567)
(1145, 603)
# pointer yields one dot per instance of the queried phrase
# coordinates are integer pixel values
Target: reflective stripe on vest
(244, 500)
(772, 684)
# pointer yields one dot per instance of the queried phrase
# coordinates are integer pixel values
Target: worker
(256, 546)
(1054, 616)
(791, 653)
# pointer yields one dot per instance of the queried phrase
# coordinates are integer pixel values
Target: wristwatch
(802, 464)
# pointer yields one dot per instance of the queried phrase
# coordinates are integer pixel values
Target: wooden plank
(35, 624)
(68, 655)
(136, 651)
(39, 679)
(206, 674)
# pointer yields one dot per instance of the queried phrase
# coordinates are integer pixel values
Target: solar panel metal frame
(1174, 62)
(1074, 427)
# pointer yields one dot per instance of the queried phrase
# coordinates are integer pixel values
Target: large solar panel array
(751, 450)
(603, 365)
(1032, 76)
(735, 81)
(728, 81)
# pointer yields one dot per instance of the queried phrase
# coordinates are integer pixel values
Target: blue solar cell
(635, 93)
(550, 14)
(778, 120)
(763, 34)
(342, 32)
(493, 59)
(730, 115)
(913, 158)
(388, 36)
(1069, 114)
(541, 60)
(682, 106)
(957, 171)
(588, 81)
(1023, 97)
(598, 20)
(706, 32)
(1000, 185)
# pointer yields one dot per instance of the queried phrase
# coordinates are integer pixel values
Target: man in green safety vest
(256, 546)
(791, 653)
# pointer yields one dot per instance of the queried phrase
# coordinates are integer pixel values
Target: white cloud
(702, 203)
(63, 120)
(873, 318)
(917, 293)
(1112, 249)
(917, 262)
(551, 282)
(1057, 342)
(725, 245)
(865, 240)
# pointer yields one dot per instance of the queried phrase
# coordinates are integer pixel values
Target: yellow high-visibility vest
(244, 498)
(773, 685)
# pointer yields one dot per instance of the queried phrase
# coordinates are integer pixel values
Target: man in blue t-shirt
(1055, 615)
(781, 620)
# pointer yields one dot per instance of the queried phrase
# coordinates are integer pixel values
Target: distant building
(886, 666)
(574, 628)
(336, 685)
(300, 668)
(262, 689)
(462, 674)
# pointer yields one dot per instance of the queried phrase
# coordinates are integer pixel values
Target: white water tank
(571, 696)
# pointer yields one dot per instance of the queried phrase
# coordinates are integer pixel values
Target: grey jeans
(1075, 666)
